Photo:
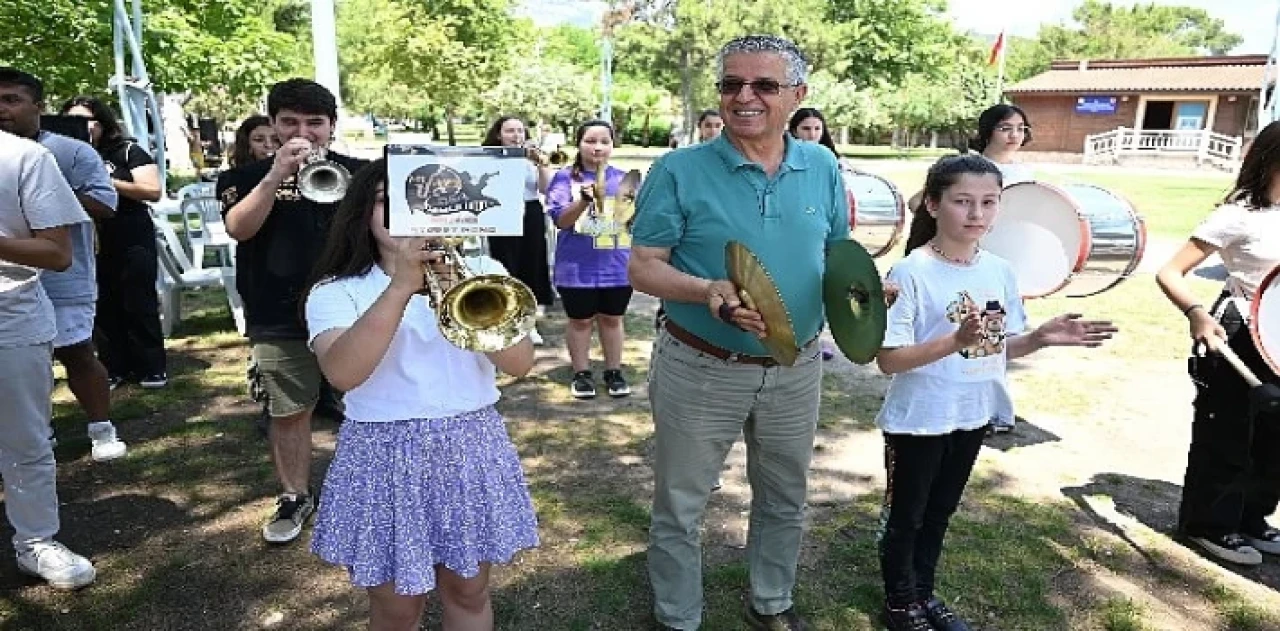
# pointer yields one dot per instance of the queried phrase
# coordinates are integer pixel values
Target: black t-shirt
(132, 223)
(273, 266)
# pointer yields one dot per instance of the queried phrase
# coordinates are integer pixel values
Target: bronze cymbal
(854, 300)
(759, 293)
(625, 206)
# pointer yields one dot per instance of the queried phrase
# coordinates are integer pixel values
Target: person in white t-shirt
(37, 208)
(1232, 481)
(956, 320)
(1003, 130)
(426, 489)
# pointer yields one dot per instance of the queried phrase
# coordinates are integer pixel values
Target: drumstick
(1217, 346)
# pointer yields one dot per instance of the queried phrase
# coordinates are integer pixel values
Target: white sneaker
(536, 338)
(54, 563)
(105, 444)
(1266, 541)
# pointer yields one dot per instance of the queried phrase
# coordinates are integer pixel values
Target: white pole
(324, 43)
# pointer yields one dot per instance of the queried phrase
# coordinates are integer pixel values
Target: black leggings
(1233, 466)
(927, 476)
(525, 256)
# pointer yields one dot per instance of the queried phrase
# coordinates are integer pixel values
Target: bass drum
(1100, 238)
(877, 211)
(1264, 319)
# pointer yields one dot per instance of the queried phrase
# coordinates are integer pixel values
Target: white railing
(1207, 147)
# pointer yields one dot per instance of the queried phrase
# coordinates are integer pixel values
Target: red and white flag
(996, 49)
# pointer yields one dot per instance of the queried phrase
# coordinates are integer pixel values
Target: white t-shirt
(968, 389)
(33, 196)
(531, 183)
(422, 375)
(1013, 172)
(1248, 240)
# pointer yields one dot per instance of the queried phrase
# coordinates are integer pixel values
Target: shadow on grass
(1154, 504)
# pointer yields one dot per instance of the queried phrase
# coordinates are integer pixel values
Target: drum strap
(1243, 306)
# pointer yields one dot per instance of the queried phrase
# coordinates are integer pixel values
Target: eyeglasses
(1021, 129)
(767, 87)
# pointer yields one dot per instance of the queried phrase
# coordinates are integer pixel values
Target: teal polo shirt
(696, 199)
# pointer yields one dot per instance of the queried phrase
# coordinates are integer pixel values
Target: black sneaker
(1231, 548)
(583, 385)
(114, 381)
(913, 617)
(1263, 539)
(616, 383)
(943, 619)
(154, 381)
(787, 620)
(291, 513)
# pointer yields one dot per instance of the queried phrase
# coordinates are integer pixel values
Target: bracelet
(1188, 310)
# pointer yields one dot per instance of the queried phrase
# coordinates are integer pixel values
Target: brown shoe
(787, 620)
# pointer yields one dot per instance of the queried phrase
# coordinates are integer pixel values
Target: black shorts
(582, 303)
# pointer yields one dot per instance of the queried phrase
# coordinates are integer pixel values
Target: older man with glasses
(710, 377)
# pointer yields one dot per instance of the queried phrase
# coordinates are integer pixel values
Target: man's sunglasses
(767, 87)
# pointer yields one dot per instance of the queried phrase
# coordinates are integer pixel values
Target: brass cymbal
(759, 293)
(625, 208)
(854, 300)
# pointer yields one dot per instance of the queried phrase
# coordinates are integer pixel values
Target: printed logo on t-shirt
(991, 320)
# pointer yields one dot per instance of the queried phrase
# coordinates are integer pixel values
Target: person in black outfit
(525, 256)
(128, 317)
(279, 234)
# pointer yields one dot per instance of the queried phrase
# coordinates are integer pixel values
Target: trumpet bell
(323, 181)
(487, 313)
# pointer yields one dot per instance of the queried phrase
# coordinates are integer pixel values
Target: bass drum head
(877, 211)
(1264, 319)
(1117, 240)
(1043, 236)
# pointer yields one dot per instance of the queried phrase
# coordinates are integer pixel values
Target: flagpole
(1004, 47)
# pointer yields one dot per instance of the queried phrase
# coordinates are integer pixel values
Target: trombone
(322, 180)
(483, 313)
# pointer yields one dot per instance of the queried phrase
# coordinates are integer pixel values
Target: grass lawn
(173, 527)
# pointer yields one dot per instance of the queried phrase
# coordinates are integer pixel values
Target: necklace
(933, 245)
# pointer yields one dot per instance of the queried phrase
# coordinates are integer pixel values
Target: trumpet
(483, 313)
(556, 158)
(322, 180)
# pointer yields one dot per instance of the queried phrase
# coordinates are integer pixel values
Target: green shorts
(287, 374)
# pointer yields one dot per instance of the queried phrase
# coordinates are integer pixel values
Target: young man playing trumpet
(279, 233)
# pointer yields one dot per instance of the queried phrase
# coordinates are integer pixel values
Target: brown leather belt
(703, 346)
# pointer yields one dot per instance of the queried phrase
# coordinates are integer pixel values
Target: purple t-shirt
(591, 254)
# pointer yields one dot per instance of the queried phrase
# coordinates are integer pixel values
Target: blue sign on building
(1096, 105)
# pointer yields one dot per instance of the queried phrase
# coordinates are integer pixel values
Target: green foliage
(188, 45)
(884, 41)
(1107, 31)
(569, 44)
(543, 90)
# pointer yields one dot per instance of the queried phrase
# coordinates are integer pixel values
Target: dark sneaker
(583, 385)
(943, 619)
(292, 511)
(788, 620)
(1230, 548)
(154, 381)
(114, 381)
(913, 617)
(616, 383)
(1267, 540)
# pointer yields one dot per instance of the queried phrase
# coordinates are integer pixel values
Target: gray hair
(797, 65)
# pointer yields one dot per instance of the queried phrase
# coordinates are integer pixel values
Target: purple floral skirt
(403, 497)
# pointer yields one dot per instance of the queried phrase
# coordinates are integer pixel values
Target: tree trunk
(448, 126)
(686, 95)
(644, 134)
(933, 139)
